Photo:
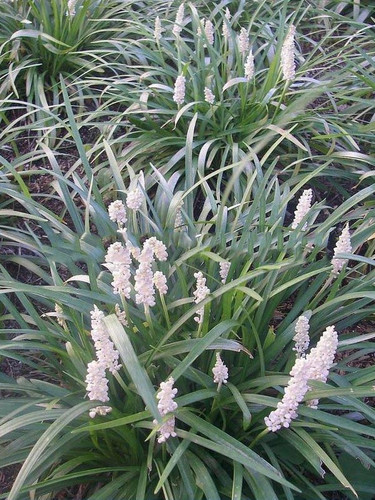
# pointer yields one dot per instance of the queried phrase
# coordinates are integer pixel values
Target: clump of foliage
(236, 99)
(41, 40)
(189, 291)
(276, 274)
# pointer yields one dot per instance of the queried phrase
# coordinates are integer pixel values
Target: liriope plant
(199, 301)
(40, 40)
(230, 82)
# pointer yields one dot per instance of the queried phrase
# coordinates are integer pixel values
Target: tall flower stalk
(200, 294)
(166, 405)
(288, 64)
(303, 208)
(179, 90)
(316, 366)
(343, 245)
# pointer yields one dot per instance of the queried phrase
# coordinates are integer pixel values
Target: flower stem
(259, 437)
(165, 309)
(318, 297)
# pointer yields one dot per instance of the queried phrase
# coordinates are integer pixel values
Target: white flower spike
(226, 21)
(209, 96)
(160, 282)
(220, 371)
(288, 64)
(179, 90)
(303, 207)
(209, 31)
(343, 245)
(134, 199)
(117, 212)
(71, 8)
(243, 41)
(96, 385)
(321, 358)
(249, 66)
(316, 366)
(166, 405)
(105, 350)
(294, 393)
(200, 294)
(158, 29)
(301, 338)
(224, 270)
(177, 27)
(118, 262)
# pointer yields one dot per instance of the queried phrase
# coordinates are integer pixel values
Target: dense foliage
(187, 249)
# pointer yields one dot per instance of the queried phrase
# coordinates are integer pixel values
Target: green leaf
(315, 448)
(242, 404)
(142, 482)
(43, 442)
(237, 481)
(119, 422)
(202, 345)
(28, 419)
(203, 478)
(226, 445)
(175, 458)
(131, 363)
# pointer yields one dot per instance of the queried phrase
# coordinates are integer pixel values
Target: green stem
(318, 297)
(286, 86)
(125, 306)
(149, 320)
(199, 329)
(122, 383)
(258, 438)
(165, 309)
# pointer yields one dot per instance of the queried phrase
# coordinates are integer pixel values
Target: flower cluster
(96, 385)
(166, 405)
(158, 247)
(107, 359)
(118, 259)
(71, 8)
(134, 199)
(60, 315)
(288, 64)
(224, 270)
(144, 285)
(243, 41)
(316, 366)
(177, 27)
(144, 276)
(343, 245)
(200, 294)
(118, 262)
(303, 207)
(226, 24)
(209, 95)
(249, 66)
(179, 90)
(117, 213)
(295, 391)
(121, 316)
(220, 371)
(321, 358)
(179, 221)
(301, 338)
(209, 31)
(106, 353)
(157, 29)
(160, 282)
